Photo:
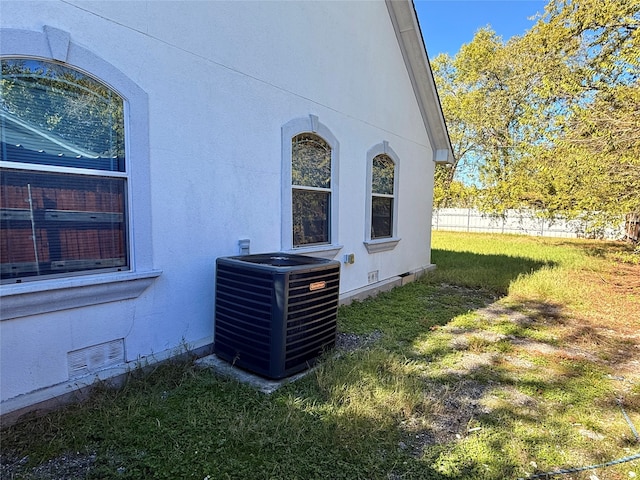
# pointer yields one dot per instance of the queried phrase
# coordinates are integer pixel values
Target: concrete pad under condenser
(264, 385)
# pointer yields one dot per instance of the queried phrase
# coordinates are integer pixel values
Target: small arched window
(381, 230)
(64, 173)
(382, 197)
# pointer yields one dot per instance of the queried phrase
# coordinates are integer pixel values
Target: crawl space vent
(96, 357)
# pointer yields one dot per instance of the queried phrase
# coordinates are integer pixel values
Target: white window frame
(55, 294)
(310, 124)
(388, 243)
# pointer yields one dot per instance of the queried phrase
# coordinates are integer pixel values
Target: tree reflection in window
(311, 195)
(57, 106)
(382, 180)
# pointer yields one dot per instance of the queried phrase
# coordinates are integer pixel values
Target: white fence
(523, 222)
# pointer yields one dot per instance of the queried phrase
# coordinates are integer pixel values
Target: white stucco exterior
(219, 82)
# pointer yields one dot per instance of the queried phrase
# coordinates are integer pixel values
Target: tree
(551, 119)
(588, 159)
(479, 111)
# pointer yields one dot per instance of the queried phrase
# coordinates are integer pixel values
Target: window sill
(381, 244)
(322, 251)
(33, 298)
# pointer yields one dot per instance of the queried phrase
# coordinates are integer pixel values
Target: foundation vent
(96, 357)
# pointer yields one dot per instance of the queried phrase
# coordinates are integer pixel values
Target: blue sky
(448, 24)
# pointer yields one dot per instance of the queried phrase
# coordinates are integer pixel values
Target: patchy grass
(510, 359)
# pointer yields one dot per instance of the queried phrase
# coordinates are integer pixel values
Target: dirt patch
(614, 302)
(348, 342)
(471, 362)
(465, 339)
(534, 347)
(454, 411)
(70, 466)
(525, 315)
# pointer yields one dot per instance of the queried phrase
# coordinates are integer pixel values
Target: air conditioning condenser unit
(275, 313)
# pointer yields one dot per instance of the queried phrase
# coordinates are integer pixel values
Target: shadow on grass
(496, 402)
(490, 272)
(500, 383)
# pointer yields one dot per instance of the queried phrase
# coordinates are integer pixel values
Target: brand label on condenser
(317, 286)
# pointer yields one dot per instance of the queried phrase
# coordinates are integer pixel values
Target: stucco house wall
(213, 86)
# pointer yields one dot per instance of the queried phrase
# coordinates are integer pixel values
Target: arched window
(311, 190)
(310, 162)
(63, 191)
(66, 285)
(381, 232)
(382, 197)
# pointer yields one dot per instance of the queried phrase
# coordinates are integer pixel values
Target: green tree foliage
(551, 119)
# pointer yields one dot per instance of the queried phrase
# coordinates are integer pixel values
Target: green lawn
(511, 359)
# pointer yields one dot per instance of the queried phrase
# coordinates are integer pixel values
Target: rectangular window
(60, 223)
(310, 217)
(381, 217)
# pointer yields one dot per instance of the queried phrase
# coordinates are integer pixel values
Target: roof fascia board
(405, 23)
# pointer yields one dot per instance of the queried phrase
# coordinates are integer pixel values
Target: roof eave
(405, 23)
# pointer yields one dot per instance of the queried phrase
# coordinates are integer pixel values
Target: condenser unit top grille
(284, 261)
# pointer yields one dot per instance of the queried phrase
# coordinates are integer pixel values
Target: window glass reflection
(311, 161)
(53, 115)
